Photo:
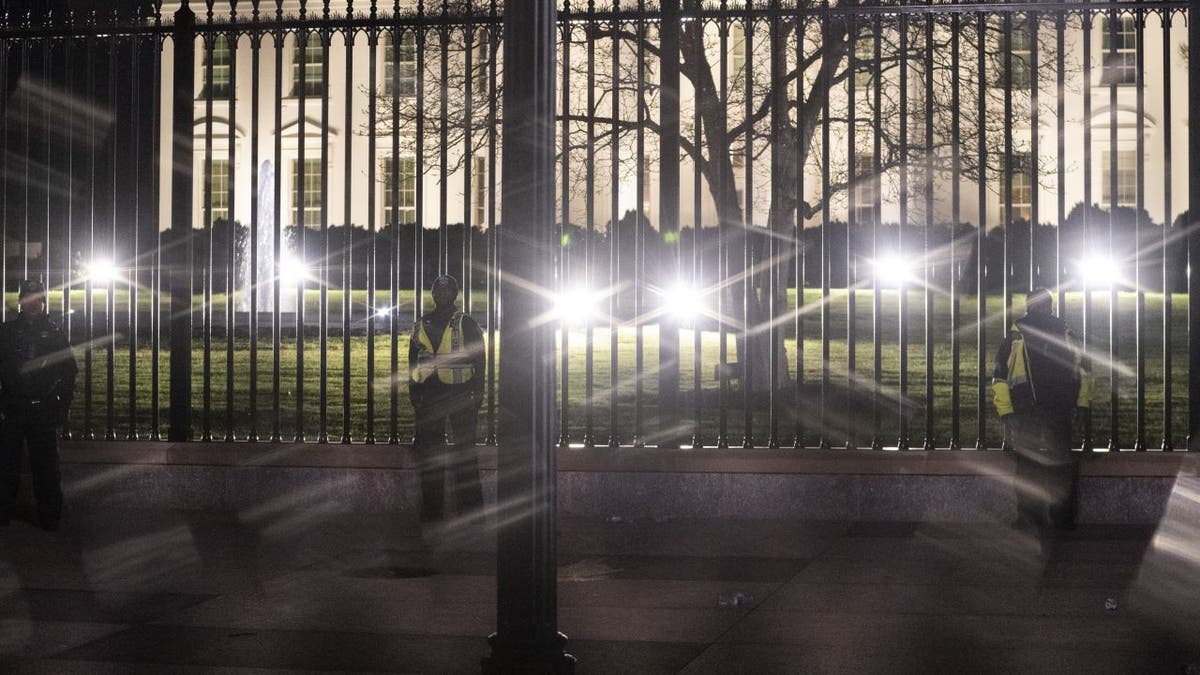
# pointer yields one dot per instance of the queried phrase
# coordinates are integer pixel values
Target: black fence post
(668, 193)
(179, 272)
(527, 638)
(1193, 234)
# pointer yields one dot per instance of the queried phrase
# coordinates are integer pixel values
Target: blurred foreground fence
(782, 223)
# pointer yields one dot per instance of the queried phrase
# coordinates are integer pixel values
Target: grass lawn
(854, 409)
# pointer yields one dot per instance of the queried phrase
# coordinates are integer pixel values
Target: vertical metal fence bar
(110, 302)
(1086, 21)
(157, 91)
(1140, 308)
(1032, 21)
(347, 257)
(722, 248)
(419, 174)
(778, 121)
(493, 239)
(395, 37)
(798, 245)
(1060, 119)
(955, 216)
(323, 329)
(89, 297)
(254, 290)
(277, 229)
(207, 215)
(589, 437)
(443, 148)
(1114, 379)
(668, 270)
(877, 185)
(929, 442)
(1168, 286)
(697, 276)
(69, 230)
(981, 442)
(136, 250)
(748, 299)
(5, 130)
(1193, 236)
(639, 240)
(614, 438)
(468, 266)
(26, 74)
(564, 433)
(1006, 177)
(231, 229)
(852, 222)
(372, 161)
(300, 209)
(902, 441)
(826, 262)
(88, 300)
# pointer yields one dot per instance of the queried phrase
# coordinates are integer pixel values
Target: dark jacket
(37, 369)
(435, 323)
(1039, 367)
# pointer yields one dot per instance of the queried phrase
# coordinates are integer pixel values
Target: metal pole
(527, 638)
(180, 273)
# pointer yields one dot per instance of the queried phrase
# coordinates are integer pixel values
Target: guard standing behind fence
(37, 383)
(1040, 380)
(446, 361)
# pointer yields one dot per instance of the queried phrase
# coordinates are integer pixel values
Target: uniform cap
(445, 280)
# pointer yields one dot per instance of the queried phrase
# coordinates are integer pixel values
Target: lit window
(221, 62)
(306, 190)
(219, 191)
(1120, 65)
(1126, 178)
(479, 65)
(406, 59)
(311, 58)
(1021, 186)
(864, 54)
(479, 191)
(406, 174)
(866, 189)
(737, 58)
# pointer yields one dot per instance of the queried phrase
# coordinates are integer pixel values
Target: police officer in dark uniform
(1040, 381)
(37, 383)
(446, 363)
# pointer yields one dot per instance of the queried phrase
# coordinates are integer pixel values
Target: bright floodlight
(101, 271)
(383, 312)
(1100, 272)
(684, 302)
(575, 305)
(892, 270)
(292, 271)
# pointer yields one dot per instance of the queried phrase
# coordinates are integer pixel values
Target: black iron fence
(782, 224)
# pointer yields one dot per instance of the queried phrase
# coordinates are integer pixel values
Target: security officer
(446, 363)
(37, 383)
(1040, 380)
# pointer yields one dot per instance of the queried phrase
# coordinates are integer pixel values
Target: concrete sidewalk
(280, 589)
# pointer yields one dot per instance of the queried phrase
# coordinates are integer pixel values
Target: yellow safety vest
(1018, 374)
(446, 359)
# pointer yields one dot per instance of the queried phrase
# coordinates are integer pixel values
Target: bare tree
(787, 78)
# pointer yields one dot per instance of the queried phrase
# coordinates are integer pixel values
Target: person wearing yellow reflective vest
(1040, 381)
(446, 362)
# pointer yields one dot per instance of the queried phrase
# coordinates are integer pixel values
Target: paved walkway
(277, 589)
